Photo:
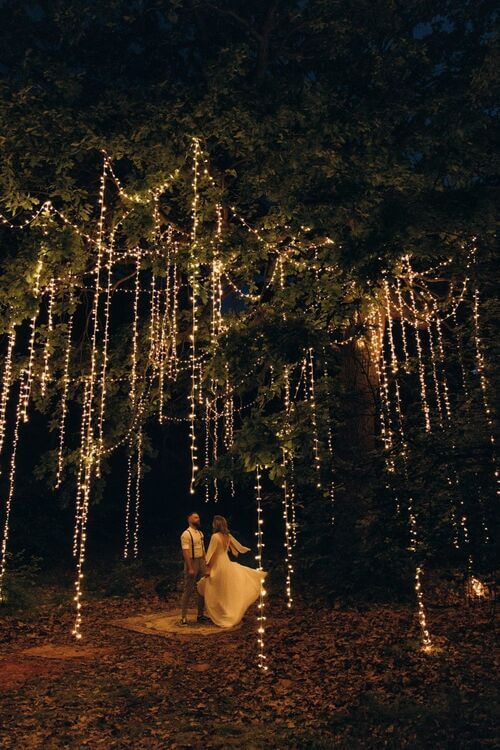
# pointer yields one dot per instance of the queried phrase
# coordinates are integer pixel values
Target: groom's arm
(188, 561)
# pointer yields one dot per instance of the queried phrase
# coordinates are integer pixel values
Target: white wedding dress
(230, 588)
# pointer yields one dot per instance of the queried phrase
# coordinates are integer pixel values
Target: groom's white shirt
(187, 542)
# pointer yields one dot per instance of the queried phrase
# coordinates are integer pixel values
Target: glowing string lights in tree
(412, 519)
(261, 619)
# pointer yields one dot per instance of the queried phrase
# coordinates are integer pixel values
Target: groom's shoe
(203, 619)
(183, 623)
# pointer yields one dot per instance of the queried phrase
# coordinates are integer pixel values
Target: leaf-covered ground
(338, 678)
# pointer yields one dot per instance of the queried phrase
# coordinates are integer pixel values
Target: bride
(227, 587)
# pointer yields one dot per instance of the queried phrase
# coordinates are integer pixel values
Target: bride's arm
(212, 548)
(236, 547)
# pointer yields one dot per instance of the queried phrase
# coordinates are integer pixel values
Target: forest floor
(339, 677)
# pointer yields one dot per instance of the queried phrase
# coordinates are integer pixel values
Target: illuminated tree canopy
(288, 254)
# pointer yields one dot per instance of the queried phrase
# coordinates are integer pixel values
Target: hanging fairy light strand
(418, 342)
(88, 447)
(412, 519)
(10, 491)
(50, 327)
(287, 522)
(6, 383)
(261, 618)
(64, 399)
(314, 421)
(193, 280)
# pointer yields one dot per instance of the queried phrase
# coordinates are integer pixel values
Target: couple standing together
(225, 588)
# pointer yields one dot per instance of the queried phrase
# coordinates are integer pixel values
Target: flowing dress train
(230, 588)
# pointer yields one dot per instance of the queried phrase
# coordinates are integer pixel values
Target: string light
(314, 423)
(135, 331)
(421, 369)
(193, 280)
(64, 400)
(105, 348)
(10, 493)
(404, 336)
(128, 501)
(137, 493)
(88, 447)
(481, 370)
(286, 495)
(26, 392)
(46, 352)
(261, 618)
(6, 383)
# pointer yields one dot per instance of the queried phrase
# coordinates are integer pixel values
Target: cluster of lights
(261, 618)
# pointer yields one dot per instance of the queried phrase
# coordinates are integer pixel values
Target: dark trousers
(190, 582)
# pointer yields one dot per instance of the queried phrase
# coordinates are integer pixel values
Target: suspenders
(192, 543)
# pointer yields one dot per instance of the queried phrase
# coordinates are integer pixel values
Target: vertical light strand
(105, 350)
(383, 370)
(193, 282)
(435, 378)
(286, 493)
(10, 492)
(460, 355)
(261, 619)
(64, 397)
(135, 331)
(128, 502)
(173, 364)
(48, 336)
(404, 335)
(314, 421)
(88, 448)
(138, 477)
(329, 444)
(6, 382)
(412, 519)
(481, 370)
(421, 368)
(81, 464)
(28, 380)
(207, 447)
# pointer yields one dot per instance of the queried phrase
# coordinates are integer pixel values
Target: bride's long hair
(219, 524)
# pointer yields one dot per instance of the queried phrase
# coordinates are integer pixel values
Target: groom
(193, 552)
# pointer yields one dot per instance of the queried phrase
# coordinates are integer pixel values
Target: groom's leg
(189, 583)
(201, 572)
